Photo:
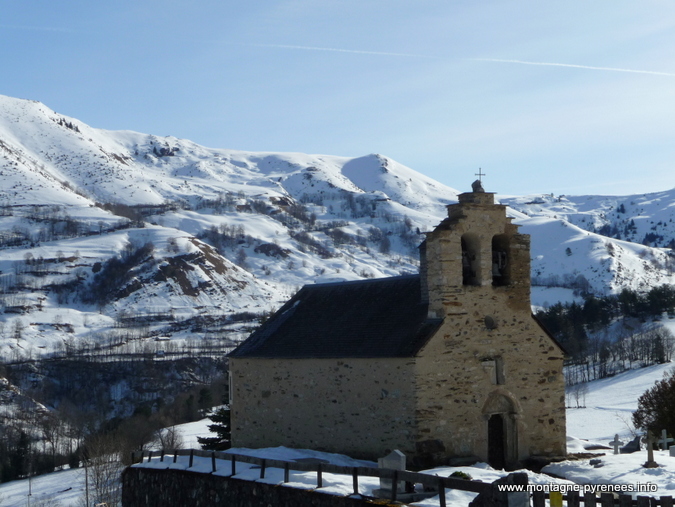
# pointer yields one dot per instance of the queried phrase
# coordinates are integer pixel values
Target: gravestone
(395, 460)
(672, 451)
(616, 443)
(405, 492)
(665, 440)
(632, 446)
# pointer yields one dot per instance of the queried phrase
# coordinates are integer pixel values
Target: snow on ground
(66, 487)
(610, 403)
(190, 431)
(622, 469)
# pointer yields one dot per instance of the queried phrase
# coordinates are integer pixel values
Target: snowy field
(609, 404)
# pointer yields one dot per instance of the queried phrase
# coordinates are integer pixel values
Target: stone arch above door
(499, 403)
(502, 407)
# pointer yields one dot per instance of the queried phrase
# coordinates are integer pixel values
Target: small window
(494, 367)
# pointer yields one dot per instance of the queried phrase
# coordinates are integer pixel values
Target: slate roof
(372, 318)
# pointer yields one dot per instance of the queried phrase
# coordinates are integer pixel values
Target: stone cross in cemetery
(665, 440)
(650, 452)
(616, 443)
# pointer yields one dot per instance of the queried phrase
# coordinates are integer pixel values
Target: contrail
(613, 69)
(413, 55)
(336, 50)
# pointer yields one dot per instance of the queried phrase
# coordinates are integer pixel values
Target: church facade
(448, 364)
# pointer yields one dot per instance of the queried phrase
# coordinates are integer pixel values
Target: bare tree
(169, 438)
(241, 258)
(52, 429)
(103, 470)
(580, 392)
(18, 328)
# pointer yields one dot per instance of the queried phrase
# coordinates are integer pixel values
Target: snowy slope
(639, 220)
(610, 403)
(41, 149)
(562, 252)
(643, 218)
(55, 169)
(237, 232)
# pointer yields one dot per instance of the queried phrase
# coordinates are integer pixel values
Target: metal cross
(480, 174)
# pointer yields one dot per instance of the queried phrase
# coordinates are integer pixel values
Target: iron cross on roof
(480, 174)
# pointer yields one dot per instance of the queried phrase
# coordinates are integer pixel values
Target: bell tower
(491, 375)
(476, 252)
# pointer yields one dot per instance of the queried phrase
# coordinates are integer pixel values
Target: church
(448, 366)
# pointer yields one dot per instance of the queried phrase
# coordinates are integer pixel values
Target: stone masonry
(486, 327)
(352, 394)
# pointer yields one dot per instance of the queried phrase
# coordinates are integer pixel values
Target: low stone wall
(143, 487)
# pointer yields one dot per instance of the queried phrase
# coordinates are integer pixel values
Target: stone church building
(446, 365)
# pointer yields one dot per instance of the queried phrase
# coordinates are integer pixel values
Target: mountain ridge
(231, 232)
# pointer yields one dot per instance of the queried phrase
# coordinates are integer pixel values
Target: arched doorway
(496, 442)
(500, 414)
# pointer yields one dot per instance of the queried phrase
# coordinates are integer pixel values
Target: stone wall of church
(458, 387)
(361, 407)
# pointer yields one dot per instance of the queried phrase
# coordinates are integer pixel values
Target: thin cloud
(588, 67)
(337, 50)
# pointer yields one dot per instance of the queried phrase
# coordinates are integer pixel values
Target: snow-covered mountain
(231, 232)
(611, 242)
(49, 158)
(201, 239)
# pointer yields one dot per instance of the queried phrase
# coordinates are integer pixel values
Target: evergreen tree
(205, 400)
(655, 407)
(221, 428)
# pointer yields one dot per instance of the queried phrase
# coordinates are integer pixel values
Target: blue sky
(444, 87)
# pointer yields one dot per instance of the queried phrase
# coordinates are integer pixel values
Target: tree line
(585, 331)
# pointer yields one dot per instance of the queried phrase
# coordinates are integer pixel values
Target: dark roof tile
(371, 318)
